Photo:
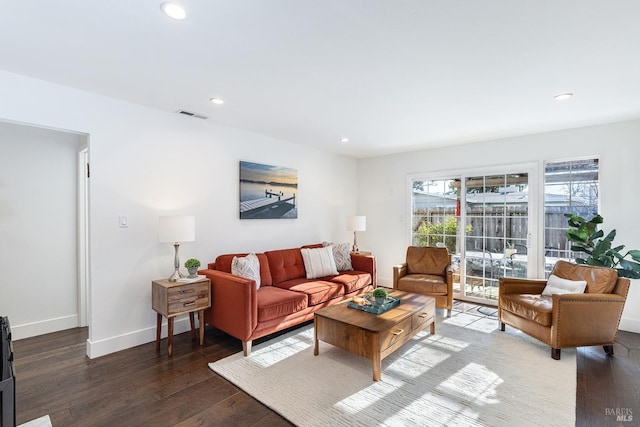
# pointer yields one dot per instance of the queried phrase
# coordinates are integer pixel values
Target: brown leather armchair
(566, 320)
(426, 271)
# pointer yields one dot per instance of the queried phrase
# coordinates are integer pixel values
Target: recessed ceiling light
(217, 101)
(344, 139)
(173, 10)
(563, 96)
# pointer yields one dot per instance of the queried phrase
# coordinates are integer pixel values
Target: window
(570, 187)
(436, 208)
(483, 219)
(497, 213)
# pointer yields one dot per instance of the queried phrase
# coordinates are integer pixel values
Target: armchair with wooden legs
(564, 320)
(427, 271)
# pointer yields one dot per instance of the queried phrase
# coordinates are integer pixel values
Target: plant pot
(193, 272)
(508, 253)
(380, 301)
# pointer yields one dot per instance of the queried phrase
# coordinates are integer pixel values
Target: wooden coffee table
(375, 336)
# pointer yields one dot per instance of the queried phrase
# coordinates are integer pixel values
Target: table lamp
(356, 223)
(176, 229)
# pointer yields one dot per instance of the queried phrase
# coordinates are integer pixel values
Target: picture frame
(267, 191)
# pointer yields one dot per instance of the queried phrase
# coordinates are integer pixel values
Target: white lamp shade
(357, 223)
(175, 229)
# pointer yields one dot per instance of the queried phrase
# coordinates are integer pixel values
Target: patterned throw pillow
(319, 262)
(248, 267)
(342, 256)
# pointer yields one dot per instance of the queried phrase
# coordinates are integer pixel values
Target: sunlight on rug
(467, 374)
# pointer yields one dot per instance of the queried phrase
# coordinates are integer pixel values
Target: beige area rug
(467, 374)
(44, 421)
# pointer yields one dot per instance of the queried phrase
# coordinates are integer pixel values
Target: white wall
(383, 195)
(146, 163)
(38, 247)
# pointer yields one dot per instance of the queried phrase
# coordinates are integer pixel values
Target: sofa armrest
(585, 319)
(515, 285)
(234, 304)
(399, 271)
(365, 263)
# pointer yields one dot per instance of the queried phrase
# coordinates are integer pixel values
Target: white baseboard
(629, 325)
(385, 282)
(42, 327)
(106, 346)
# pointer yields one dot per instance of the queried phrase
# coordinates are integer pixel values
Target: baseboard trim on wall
(629, 325)
(42, 327)
(106, 346)
(385, 282)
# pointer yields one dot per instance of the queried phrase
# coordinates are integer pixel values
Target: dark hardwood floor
(135, 387)
(608, 387)
(141, 386)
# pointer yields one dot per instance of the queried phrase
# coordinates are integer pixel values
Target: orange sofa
(285, 297)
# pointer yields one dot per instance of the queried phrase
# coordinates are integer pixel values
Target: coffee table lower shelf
(374, 336)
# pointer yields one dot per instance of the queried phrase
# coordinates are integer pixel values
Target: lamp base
(175, 276)
(176, 264)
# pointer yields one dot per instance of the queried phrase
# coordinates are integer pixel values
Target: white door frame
(83, 235)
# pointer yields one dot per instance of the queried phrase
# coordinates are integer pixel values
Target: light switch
(123, 221)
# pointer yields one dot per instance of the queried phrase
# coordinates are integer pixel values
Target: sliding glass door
(497, 211)
(484, 222)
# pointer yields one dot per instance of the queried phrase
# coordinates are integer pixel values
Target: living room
(148, 162)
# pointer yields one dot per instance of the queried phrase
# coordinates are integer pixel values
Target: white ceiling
(392, 76)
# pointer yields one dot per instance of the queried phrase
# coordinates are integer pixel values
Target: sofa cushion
(529, 306)
(274, 303)
(223, 263)
(600, 280)
(427, 260)
(341, 255)
(316, 291)
(352, 280)
(319, 262)
(421, 283)
(557, 285)
(248, 267)
(285, 264)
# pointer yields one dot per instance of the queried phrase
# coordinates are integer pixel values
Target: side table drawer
(191, 296)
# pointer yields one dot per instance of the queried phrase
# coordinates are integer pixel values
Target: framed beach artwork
(268, 192)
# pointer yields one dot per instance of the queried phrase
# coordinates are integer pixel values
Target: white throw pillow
(319, 262)
(342, 256)
(248, 267)
(557, 285)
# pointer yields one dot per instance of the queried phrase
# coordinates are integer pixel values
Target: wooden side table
(171, 299)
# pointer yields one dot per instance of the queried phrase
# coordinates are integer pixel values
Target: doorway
(484, 219)
(44, 229)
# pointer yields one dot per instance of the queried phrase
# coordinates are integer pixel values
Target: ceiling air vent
(190, 114)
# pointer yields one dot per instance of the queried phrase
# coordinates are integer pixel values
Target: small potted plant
(510, 250)
(192, 265)
(380, 295)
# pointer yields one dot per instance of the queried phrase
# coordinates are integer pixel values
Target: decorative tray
(370, 306)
